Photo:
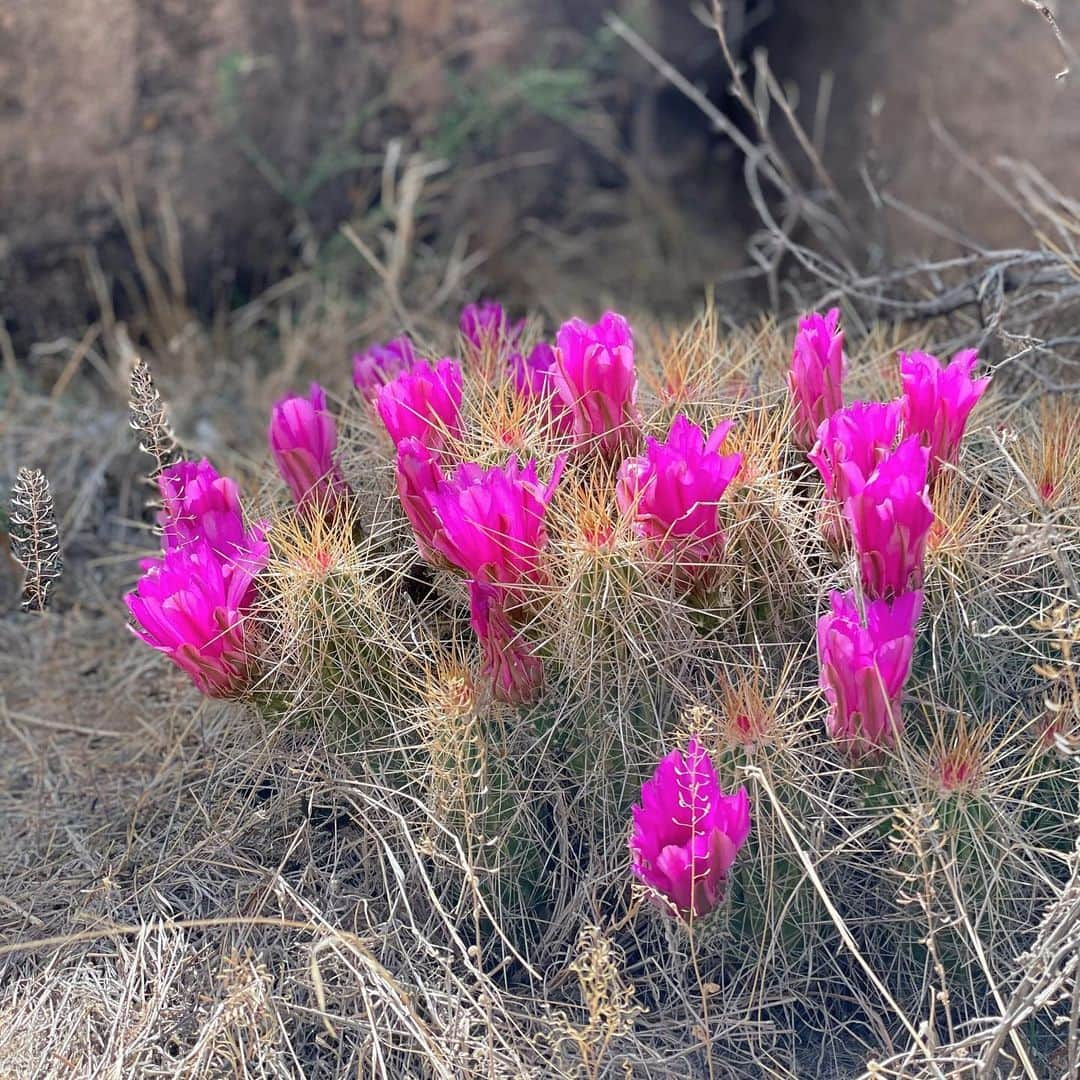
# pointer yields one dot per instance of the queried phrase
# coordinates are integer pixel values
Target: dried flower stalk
(149, 417)
(34, 538)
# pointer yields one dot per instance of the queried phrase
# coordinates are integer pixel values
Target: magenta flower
(533, 378)
(816, 378)
(938, 401)
(490, 524)
(303, 437)
(596, 381)
(418, 477)
(532, 375)
(516, 673)
(687, 832)
(864, 668)
(486, 325)
(200, 504)
(852, 442)
(493, 523)
(377, 365)
(850, 445)
(890, 520)
(672, 492)
(423, 403)
(192, 606)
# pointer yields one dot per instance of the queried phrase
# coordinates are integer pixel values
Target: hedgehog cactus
(559, 561)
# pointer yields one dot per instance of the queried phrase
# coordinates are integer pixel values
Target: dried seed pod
(34, 538)
(149, 417)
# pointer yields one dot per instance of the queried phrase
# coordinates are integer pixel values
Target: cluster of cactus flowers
(490, 525)
(877, 461)
(566, 515)
(193, 603)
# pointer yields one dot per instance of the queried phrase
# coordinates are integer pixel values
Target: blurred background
(247, 191)
(567, 163)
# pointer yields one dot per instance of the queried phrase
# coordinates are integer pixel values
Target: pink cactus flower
(490, 524)
(850, 445)
(192, 606)
(516, 673)
(423, 403)
(864, 667)
(485, 325)
(493, 523)
(418, 476)
(378, 364)
(533, 379)
(596, 381)
(816, 378)
(303, 437)
(938, 401)
(890, 521)
(687, 832)
(199, 504)
(532, 374)
(673, 490)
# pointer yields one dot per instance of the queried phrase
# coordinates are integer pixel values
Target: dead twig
(1070, 54)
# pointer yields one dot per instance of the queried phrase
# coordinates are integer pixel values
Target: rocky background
(248, 126)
